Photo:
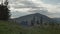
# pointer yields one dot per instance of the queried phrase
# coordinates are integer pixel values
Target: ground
(13, 28)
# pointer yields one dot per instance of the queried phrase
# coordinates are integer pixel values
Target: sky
(50, 8)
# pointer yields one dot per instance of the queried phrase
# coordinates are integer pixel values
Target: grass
(14, 28)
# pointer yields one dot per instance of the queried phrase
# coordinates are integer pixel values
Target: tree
(45, 23)
(33, 21)
(41, 20)
(4, 11)
(32, 24)
(37, 22)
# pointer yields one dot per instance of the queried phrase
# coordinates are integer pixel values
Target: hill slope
(33, 17)
(9, 28)
(57, 20)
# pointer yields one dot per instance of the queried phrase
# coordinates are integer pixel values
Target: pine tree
(41, 20)
(33, 21)
(32, 24)
(4, 11)
(37, 22)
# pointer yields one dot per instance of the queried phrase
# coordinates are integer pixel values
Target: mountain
(28, 19)
(56, 20)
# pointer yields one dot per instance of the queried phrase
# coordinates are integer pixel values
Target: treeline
(33, 22)
(39, 22)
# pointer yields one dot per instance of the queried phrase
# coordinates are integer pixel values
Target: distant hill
(57, 20)
(35, 17)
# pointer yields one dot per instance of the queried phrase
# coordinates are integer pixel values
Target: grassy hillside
(13, 28)
(9, 28)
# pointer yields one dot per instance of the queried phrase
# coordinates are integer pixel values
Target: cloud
(53, 2)
(50, 8)
(18, 14)
(24, 4)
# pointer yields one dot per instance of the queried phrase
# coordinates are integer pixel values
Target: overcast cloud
(20, 8)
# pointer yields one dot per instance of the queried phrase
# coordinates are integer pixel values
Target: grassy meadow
(14, 28)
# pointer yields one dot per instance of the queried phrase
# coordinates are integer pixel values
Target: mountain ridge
(34, 17)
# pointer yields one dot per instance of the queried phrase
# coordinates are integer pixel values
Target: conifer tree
(33, 21)
(37, 22)
(4, 11)
(41, 20)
